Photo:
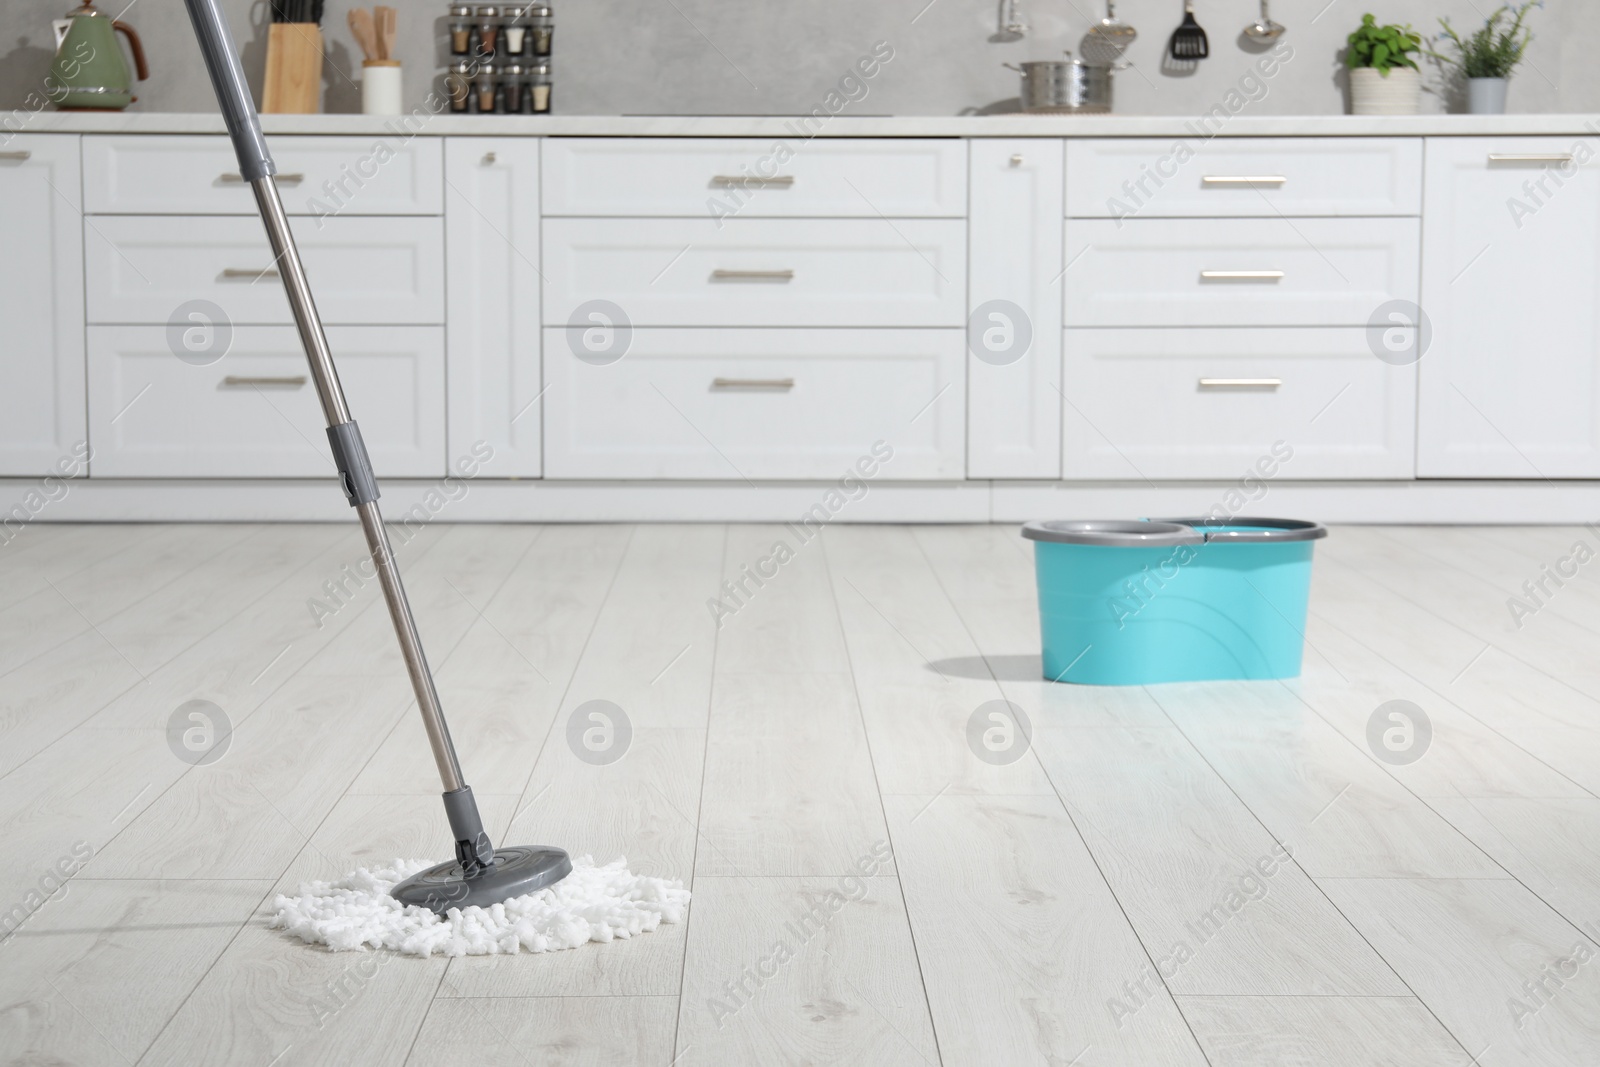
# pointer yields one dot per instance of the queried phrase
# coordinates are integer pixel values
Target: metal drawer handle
(1242, 275)
(20, 157)
(240, 272)
(1240, 383)
(752, 383)
(777, 181)
(753, 275)
(281, 179)
(292, 380)
(1534, 157)
(1243, 179)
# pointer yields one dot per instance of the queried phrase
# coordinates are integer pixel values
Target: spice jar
(514, 32)
(461, 30)
(488, 30)
(544, 28)
(486, 88)
(539, 88)
(458, 83)
(511, 80)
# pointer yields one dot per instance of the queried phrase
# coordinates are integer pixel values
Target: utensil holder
(380, 87)
(294, 69)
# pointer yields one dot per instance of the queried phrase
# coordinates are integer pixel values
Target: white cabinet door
(493, 283)
(744, 177)
(41, 304)
(253, 413)
(743, 404)
(1014, 312)
(757, 272)
(1510, 387)
(1237, 272)
(1263, 177)
(363, 271)
(318, 176)
(1209, 403)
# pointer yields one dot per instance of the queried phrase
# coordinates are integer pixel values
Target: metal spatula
(1189, 40)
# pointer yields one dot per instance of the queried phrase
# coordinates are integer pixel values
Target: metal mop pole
(473, 848)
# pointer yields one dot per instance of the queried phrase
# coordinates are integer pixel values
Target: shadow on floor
(1008, 668)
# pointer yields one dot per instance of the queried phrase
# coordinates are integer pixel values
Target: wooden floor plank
(553, 1031)
(1466, 948)
(1321, 1032)
(1552, 846)
(96, 973)
(1205, 885)
(903, 634)
(1025, 953)
(1329, 801)
(1464, 756)
(269, 995)
(802, 970)
(789, 782)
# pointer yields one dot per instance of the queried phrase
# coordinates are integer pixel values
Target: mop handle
(344, 437)
(233, 92)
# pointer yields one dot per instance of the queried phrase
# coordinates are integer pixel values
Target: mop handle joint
(360, 485)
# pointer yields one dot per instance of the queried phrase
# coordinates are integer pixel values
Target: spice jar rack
(500, 58)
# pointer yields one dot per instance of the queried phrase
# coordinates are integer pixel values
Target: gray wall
(783, 56)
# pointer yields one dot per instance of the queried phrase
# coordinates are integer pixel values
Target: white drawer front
(152, 415)
(758, 272)
(754, 177)
(1152, 178)
(362, 270)
(199, 175)
(746, 404)
(1203, 404)
(1237, 272)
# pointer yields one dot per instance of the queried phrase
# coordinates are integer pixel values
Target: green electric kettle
(89, 73)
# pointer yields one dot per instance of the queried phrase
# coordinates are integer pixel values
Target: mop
(487, 899)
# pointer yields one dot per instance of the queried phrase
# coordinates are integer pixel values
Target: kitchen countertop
(1015, 125)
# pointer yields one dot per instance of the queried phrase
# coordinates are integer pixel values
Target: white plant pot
(1486, 96)
(1371, 93)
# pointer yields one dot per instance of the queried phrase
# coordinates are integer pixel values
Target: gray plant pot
(1486, 96)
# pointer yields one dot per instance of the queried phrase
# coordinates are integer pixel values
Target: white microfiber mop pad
(590, 904)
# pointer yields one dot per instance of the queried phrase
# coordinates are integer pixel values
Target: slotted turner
(1189, 40)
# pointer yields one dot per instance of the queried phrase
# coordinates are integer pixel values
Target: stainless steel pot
(1064, 86)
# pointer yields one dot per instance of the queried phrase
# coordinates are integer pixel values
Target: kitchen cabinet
(747, 404)
(578, 301)
(1242, 272)
(747, 177)
(317, 176)
(1510, 384)
(1211, 403)
(1014, 310)
(494, 295)
(758, 272)
(253, 412)
(363, 270)
(1261, 177)
(41, 305)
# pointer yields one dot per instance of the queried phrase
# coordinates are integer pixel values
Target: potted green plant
(1384, 78)
(1487, 57)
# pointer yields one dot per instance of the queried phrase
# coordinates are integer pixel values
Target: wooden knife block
(294, 69)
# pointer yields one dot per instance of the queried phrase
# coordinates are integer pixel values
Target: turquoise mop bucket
(1172, 600)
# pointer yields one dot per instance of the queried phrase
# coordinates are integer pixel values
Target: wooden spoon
(388, 22)
(366, 34)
